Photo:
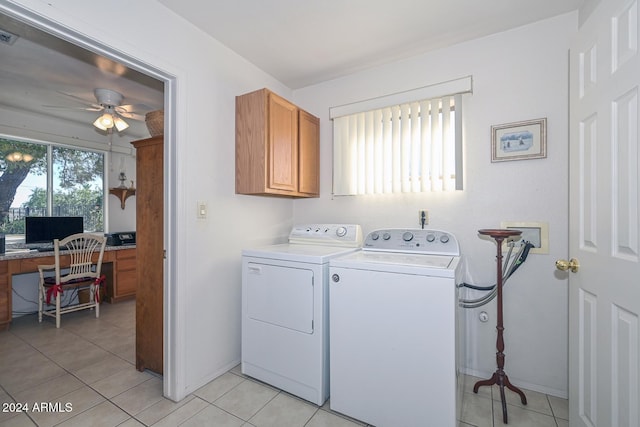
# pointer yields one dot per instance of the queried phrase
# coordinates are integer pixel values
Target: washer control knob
(444, 238)
(431, 237)
(335, 278)
(407, 236)
(341, 231)
(375, 236)
(386, 236)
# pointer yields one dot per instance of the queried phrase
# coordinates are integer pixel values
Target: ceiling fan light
(104, 122)
(14, 157)
(27, 157)
(98, 124)
(120, 124)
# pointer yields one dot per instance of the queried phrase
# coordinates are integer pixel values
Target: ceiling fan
(113, 112)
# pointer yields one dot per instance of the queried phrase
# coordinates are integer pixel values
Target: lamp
(17, 156)
(109, 119)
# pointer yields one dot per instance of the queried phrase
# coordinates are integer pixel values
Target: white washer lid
(312, 254)
(428, 265)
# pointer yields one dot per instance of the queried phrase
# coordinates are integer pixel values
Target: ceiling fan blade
(132, 116)
(135, 112)
(75, 108)
(82, 100)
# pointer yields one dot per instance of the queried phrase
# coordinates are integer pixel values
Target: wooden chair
(78, 264)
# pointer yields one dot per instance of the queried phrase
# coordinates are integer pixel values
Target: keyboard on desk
(50, 248)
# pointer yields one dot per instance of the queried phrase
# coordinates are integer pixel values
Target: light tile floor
(89, 363)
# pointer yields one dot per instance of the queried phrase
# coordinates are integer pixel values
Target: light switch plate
(202, 210)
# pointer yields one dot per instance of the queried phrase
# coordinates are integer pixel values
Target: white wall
(517, 75)
(204, 257)
(121, 219)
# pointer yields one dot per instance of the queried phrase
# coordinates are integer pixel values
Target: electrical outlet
(423, 214)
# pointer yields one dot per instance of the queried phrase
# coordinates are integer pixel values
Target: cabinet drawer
(5, 312)
(4, 274)
(4, 299)
(126, 264)
(126, 253)
(31, 264)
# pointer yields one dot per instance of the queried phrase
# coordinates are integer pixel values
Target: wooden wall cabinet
(277, 147)
(150, 253)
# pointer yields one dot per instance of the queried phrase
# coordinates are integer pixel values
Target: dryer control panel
(349, 235)
(419, 241)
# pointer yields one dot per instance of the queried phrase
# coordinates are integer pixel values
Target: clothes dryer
(285, 296)
(393, 316)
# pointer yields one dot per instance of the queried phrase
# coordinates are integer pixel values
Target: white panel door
(604, 293)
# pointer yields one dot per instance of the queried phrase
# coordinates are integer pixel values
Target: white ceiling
(40, 72)
(298, 42)
(303, 42)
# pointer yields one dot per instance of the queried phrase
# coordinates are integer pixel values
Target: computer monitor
(44, 229)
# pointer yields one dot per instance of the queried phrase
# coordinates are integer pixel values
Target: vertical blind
(409, 147)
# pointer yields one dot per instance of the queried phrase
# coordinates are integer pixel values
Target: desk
(118, 265)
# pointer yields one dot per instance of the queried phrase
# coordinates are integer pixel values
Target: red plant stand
(500, 377)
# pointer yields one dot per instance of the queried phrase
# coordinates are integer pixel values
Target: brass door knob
(564, 265)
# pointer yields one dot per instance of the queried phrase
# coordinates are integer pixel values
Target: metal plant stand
(500, 377)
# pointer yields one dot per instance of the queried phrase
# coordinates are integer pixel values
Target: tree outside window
(77, 178)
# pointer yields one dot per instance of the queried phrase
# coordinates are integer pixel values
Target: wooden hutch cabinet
(150, 253)
(277, 147)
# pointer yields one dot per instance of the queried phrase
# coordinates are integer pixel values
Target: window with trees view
(39, 179)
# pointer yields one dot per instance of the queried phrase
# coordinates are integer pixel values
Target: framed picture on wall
(519, 140)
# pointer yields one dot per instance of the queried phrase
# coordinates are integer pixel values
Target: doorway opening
(97, 47)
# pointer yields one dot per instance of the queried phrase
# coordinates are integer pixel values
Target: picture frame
(519, 140)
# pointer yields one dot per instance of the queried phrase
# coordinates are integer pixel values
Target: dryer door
(281, 296)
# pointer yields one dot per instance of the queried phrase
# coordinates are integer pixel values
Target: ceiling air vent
(7, 38)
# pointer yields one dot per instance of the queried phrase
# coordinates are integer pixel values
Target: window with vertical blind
(402, 143)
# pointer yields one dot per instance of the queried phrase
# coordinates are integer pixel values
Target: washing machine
(285, 317)
(394, 344)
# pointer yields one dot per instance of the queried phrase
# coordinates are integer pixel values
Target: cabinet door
(126, 275)
(309, 154)
(283, 144)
